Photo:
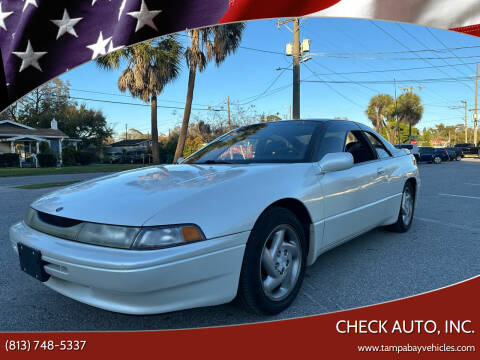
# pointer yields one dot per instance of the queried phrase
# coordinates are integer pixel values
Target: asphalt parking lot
(442, 248)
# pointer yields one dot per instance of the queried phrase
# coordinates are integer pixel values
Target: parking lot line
(462, 196)
(456, 226)
(472, 184)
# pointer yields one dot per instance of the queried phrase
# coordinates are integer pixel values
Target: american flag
(41, 39)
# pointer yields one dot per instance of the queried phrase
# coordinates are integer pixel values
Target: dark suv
(432, 155)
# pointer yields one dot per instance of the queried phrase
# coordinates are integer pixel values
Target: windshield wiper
(215, 162)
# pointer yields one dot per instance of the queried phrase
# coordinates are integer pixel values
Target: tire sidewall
(250, 279)
(401, 223)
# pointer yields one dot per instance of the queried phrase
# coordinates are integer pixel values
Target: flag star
(111, 48)
(29, 2)
(99, 47)
(3, 16)
(94, 1)
(66, 24)
(144, 17)
(29, 57)
(122, 7)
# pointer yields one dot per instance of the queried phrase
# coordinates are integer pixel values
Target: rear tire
(407, 207)
(274, 263)
(459, 158)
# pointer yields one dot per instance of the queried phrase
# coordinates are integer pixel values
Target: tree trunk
(153, 104)
(409, 132)
(186, 115)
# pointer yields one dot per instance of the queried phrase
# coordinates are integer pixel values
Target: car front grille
(53, 225)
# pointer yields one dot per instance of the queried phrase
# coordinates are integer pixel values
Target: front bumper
(140, 282)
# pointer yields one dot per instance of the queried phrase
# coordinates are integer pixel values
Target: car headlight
(137, 238)
(122, 237)
(108, 235)
(160, 237)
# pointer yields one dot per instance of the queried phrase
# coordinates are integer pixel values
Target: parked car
(243, 216)
(469, 149)
(116, 157)
(137, 156)
(413, 149)
(452, 154)
(459, 153)
(433, 155)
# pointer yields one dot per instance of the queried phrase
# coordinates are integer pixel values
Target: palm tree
(409, 110)
(209, 43)
(150, 66)
(379, 109)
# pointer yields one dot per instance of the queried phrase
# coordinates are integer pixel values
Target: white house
(25, 140)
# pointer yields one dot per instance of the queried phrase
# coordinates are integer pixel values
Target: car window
(378, 145)
(333, 141)
(275, 142)
(356, 145)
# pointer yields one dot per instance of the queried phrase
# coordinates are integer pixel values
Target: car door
(389, 186)
(351, 197)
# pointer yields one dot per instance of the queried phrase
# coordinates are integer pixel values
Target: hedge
(85, 158)
(9, 160)
(47, 160)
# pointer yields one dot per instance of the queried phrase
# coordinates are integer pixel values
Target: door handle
(380, 171)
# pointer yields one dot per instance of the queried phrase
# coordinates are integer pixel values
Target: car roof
(363, 126)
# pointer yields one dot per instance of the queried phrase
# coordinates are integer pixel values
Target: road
(441, 248)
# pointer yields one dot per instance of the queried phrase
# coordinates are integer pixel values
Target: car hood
(165, 195)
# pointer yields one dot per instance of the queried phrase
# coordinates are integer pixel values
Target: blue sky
(366, 50)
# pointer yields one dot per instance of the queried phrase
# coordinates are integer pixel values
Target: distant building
(128, 145)
(25, 140)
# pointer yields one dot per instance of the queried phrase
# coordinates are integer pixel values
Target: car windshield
(426, 150)
(275, 142)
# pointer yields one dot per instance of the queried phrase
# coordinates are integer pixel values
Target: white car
(243, 216)
(412, 147)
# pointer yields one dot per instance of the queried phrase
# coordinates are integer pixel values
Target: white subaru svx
(243, 216)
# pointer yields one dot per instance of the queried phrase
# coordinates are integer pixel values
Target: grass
(46, 185)
(6, 172)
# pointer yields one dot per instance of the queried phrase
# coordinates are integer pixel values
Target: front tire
(407, 207)
(437, 160)
(274, 262)
(459, 157)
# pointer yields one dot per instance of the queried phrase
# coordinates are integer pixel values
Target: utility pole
(296, 69)
(475, 116)
(466, 126)
(228, 108)
(296, 50)
(126, 132)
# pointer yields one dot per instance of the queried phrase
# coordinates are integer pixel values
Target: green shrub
(45, 148)
(47, 160)
(85, 158)
(9, 160)
(69, 156)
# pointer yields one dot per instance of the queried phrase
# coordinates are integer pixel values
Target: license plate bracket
(31, 262)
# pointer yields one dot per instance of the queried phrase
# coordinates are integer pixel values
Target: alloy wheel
(407, 206)
(281, 262)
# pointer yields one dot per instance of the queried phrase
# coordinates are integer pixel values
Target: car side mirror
(180, 159)
(336, 162)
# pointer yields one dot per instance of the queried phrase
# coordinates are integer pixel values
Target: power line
(423, 44)
(123, 95)
(333, 89)
(405, 47)
(137, 104)
(428, 80)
